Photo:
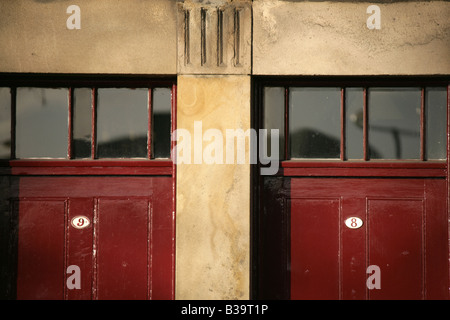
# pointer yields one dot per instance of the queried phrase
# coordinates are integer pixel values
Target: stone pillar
(213, 200)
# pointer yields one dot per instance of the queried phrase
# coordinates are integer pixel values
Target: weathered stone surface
(133, 36)
(332, 38)
(213, 200)
(289, 37)
(214, 37)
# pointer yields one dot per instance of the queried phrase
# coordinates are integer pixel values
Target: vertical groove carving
(214, 38)
(219, 37)
(187, 50)
(237, 26)
(203, 36)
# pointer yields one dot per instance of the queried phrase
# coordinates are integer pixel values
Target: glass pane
(314, 122)
(82, 124)
(5, 123)
(122, 123)
(354, 134)
(42, 122)
(273, 114)
(436, 116)
(394, 123)
(161, 105)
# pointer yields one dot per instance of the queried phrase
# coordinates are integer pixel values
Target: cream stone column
(213, 200)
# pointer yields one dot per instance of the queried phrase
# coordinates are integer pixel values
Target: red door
(126, 252)
(87, 188)
(359, 206)
(305, 250)
(403, 233)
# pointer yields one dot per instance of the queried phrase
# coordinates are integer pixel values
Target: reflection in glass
(314, 122)
(122, 123)
(273, 114)
(394, 123)
(42, 123)
(436, 121)
(354, 134)
(5, 123)
(81, 144)
(161, 105)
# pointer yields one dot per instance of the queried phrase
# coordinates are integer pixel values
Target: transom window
(85, 122)
(358, 123)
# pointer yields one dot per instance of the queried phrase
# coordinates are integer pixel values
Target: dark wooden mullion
(422, 126)
(286, 123)
(150, 122)
(70, 125)
(94, 123)
(365, 126)
(13, 122)
(343, 141)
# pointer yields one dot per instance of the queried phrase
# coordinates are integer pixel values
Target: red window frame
(92, 166)
(344, 167)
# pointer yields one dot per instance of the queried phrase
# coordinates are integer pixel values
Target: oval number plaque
(353, 222)
(80, 222)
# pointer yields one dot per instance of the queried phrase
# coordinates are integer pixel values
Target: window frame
(350, 167)
(92, 165)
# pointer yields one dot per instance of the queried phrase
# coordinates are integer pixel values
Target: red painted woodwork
(342, 133)
(363, 172)
(364, 169)
(395, 244)
(93, 122)
(87, 167)
(122, 248)
(128, 250)
(126, 253)
(404, 233)
(79, 246)
(381, 164)
(300, 168)
(302, 248)
(314, 248)
(41, 249)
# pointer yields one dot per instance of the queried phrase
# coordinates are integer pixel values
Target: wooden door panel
(79, 247)
(122, 249)
(127, 251)
(41, 249)
(355, 188)
(315, 257)
(404, 232)
(436, 240)
(353, 249)
(162, 248)
(395, 233)
(273, 240)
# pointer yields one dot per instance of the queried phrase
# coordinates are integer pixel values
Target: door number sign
(80, 222)
(353, 222)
